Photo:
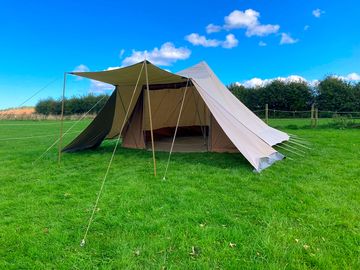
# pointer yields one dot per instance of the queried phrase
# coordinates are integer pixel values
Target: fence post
(312, 115)
(316, 116)
(266, 113)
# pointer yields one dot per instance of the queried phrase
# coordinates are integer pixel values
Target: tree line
(330, 94)
(74, 105)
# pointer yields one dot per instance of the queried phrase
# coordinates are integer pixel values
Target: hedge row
(331, 94)
(74, 105)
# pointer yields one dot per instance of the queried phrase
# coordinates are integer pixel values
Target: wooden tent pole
(62, 119)
(151, 126)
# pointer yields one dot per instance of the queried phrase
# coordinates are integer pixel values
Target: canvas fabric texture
(208, 104)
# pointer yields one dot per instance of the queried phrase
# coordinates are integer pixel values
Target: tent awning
(128, 75)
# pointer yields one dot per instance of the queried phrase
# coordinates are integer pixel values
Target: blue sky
(247, 39)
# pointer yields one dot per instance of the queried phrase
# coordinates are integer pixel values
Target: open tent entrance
(188, 139)
(165, 101)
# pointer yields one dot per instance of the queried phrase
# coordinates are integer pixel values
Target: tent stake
(151, 127)
(62, 118)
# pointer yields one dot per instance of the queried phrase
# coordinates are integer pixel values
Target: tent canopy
(127, 76)
(208, 104)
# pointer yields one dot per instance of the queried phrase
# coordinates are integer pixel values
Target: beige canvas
(234, 127)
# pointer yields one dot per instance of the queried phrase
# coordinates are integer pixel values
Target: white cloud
(257, 82)
(353, 76)
(317, 12)
(293, 78)
(165, 56)
(112, 68)
(350, 77)
(287, 39)
(249, 20)
(241, 19)
(306, 27)
(262, 44)
(212, 28)
(254, 82)
(230, 42)
(81, 68)
(121, 54)
(100, 87)
(314, 82)
(197, 40)
(262, 30)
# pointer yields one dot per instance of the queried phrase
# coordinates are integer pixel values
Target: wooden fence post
(316, 116)
(266, 113)
(312, 115)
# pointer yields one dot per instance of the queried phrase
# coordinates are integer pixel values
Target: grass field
(298, 214)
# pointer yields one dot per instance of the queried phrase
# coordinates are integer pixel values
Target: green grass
(298, 214)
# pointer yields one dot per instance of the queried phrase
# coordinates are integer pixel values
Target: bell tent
(151, 106)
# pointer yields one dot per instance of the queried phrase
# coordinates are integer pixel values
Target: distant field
(212, 212)
(17, 111)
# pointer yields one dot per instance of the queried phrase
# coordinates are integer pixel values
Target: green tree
(334, 94)
(73, 105)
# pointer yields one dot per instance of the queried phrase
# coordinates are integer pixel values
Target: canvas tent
(146, 107)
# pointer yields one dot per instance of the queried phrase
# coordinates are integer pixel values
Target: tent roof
(217, 92)
(129, 75)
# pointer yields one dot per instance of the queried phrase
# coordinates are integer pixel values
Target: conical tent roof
(249, 134)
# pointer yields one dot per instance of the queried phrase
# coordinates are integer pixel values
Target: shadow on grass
(210, 159)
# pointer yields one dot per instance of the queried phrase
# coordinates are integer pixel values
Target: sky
(245, 41)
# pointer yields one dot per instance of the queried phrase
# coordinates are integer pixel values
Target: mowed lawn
(212, 212)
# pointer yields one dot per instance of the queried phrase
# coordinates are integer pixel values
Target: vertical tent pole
(151, 127)
(62, 119)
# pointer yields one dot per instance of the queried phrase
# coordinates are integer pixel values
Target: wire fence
(339, 119)
(278, 114)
